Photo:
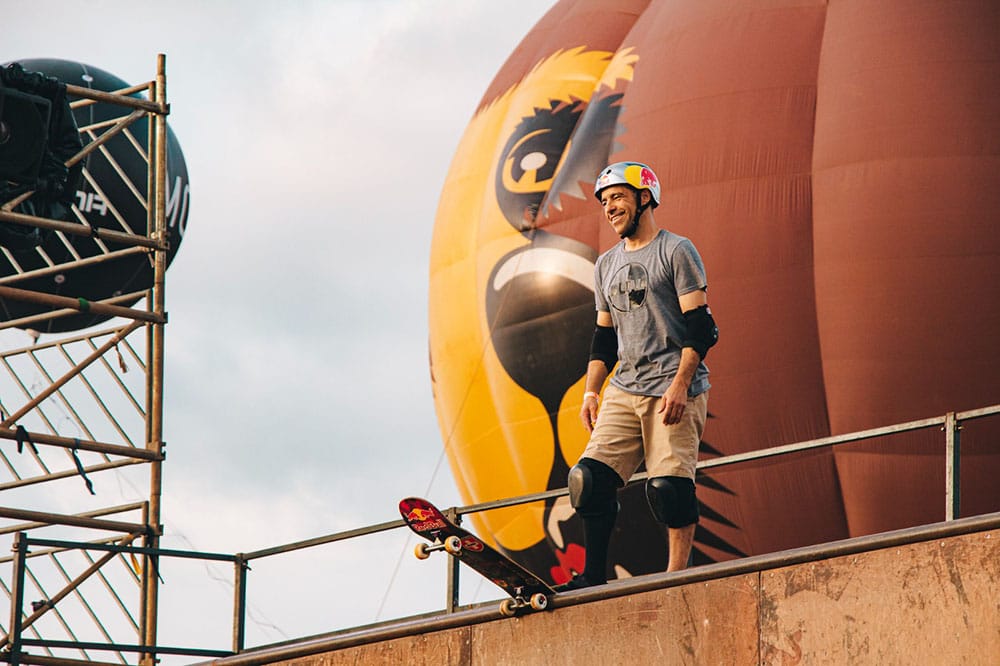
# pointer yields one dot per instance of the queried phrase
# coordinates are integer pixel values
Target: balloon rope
(406, 544)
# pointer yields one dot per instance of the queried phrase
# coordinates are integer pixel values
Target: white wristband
(592, 394)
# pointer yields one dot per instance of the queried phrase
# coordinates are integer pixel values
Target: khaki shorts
(629, 430)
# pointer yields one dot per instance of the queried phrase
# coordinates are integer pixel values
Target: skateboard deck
(526, 590)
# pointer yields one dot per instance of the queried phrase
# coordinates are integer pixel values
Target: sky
(317, 136)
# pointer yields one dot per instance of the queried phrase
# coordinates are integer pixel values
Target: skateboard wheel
(508, 608)
(453, 545)
(421, 551)
(539, 601)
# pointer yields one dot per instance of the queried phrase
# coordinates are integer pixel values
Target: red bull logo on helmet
(647, 178)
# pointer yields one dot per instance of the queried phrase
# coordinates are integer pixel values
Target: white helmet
(634, 174)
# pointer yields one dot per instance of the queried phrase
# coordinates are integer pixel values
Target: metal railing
(15, 640)
(951, 423)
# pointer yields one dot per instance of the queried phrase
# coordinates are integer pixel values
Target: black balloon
(111, 198)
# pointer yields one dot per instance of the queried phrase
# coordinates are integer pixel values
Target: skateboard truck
(451, 545)
(509, 607)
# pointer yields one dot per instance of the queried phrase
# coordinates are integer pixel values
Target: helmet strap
(640, 208)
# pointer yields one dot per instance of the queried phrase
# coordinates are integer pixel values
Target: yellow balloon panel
(501, 427)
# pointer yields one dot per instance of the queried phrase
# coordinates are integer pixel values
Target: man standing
(653, 320)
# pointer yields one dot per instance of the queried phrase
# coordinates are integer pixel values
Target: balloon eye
(533, 161)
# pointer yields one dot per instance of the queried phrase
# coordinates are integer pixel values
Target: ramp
(920, 595)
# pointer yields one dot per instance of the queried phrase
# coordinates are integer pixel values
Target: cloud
(317, 136)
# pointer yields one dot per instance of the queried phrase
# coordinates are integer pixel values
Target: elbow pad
(604, 346)
(702, 333)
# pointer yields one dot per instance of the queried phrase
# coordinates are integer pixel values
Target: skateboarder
(653, 320)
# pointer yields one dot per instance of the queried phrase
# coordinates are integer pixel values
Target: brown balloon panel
(111, 195)
(836, 165)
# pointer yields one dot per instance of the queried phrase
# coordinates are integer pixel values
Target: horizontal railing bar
(76, 229)
(138, 550)
(115, 98)
(516, 501)
(85, 445)
(31, 320)
(43, 660)
(122, 647)
(80, 304)
(51, 551)
(977, 413)
(72, 521)
(106, 511)
(820, 443)
(318, 541)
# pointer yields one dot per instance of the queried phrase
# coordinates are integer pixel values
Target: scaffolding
(81, 407)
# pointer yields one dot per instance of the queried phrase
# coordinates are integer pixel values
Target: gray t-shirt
(640, 290)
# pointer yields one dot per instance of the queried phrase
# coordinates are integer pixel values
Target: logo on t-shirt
(627, 291)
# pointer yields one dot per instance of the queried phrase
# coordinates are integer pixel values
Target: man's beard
(630, 230)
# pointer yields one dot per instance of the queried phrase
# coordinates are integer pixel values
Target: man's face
(620, 203)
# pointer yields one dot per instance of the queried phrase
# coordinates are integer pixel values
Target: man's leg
(671, 458)
(612, 454)
(673, 502)
(679, 540)
(593, 491)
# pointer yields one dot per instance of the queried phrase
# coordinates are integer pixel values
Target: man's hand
(673, 403)
(588, 412)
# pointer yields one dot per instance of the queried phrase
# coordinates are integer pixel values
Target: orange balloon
(836, 166)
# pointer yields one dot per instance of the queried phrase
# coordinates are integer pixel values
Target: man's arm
(674, 401)
(597, 372)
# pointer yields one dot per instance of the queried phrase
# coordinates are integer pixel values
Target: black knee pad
(593, 488)
(672, 500)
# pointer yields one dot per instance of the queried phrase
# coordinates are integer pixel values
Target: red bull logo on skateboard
(423, 520)
(418, 515)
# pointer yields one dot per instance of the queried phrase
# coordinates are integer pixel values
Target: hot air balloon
(836, 164)
(111, 194)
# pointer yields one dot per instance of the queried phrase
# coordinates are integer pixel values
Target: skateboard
(526, 590)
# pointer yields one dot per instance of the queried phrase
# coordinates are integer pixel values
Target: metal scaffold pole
(157, 303)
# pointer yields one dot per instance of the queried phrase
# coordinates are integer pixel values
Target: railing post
(451, 603)
(953, 466)
(20, 549)
(240, 602)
